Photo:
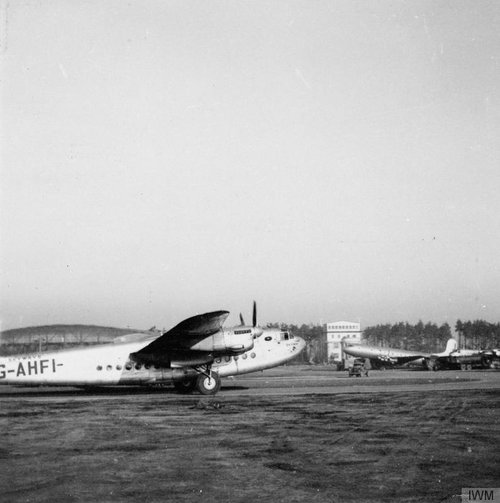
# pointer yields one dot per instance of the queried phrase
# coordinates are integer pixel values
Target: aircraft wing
(184, 334)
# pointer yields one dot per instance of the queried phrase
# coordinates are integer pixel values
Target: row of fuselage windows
(128, 366)
(138, 366)
(227, 359)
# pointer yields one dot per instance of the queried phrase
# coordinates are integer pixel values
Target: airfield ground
(295, 434)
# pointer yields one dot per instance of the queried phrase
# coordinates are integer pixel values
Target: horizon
(264, 325)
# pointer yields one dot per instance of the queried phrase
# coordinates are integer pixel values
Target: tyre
(208, 385)
(185, 386)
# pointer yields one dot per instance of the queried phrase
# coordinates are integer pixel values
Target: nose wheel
(208, 384)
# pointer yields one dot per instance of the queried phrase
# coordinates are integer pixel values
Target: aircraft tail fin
(451, 346)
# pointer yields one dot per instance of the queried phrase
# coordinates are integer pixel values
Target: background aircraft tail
(451, 345)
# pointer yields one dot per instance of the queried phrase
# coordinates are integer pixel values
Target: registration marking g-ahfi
(30, 368)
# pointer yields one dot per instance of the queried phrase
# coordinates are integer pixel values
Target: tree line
(479, 334)
(427, 337)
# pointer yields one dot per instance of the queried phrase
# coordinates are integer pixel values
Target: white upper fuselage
(395, 355)
(383, 353)
(110, 364)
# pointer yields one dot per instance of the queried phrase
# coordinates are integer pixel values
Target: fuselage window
(244, 356)
(147, 366)
(227, 358)
(128, 366)
(99, 367)
(218, 360)
(268, 338)
(252, 355)
(236, 358)
(118, 367)
(109, 367)
(138, 366)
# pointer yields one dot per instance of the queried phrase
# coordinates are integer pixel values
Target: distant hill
(50, 337)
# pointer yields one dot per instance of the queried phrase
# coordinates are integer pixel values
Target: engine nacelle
(227, 342)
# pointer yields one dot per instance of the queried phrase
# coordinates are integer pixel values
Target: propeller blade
(242, 320)
(254, 317)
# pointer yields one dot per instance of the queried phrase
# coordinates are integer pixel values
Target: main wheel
(185, 386)
(208, 385)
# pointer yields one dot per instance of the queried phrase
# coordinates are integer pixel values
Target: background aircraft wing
(188, 331)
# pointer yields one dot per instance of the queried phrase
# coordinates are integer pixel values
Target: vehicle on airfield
(358, 368)
(195, 354)
(387, 357)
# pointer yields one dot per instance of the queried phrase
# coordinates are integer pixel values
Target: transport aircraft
(382, 357)
(195, 354)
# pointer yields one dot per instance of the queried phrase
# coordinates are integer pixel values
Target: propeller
(257, 332)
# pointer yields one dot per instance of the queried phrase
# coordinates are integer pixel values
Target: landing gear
(208, 384)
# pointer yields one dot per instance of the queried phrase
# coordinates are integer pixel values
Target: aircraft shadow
(104, 390)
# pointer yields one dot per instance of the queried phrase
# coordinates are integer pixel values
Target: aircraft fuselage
(111, 364)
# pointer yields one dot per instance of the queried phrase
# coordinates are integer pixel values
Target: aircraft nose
(301, 344)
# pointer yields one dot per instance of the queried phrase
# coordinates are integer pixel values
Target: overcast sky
(334, 160)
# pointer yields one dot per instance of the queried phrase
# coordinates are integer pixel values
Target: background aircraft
(382, 357)
(195, 354)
